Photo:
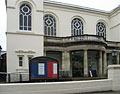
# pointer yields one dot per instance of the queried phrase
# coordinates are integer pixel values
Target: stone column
(63, 61)
(100, 63)
(118, 58)
(85, 64)
(66, 62)
(105, 63)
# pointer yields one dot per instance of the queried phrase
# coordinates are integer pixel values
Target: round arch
(31, 3)
(56, 19)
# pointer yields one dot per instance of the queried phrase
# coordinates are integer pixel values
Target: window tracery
(77, 27)
(101, 29)
(49, 25)
(25, 17)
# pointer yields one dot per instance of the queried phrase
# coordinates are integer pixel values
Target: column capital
(85, 49)
(65, 51)
(105, 51)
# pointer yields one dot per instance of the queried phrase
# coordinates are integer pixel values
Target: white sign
(41, 69)
(54, 68)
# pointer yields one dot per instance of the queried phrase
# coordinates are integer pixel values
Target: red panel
(50, 70)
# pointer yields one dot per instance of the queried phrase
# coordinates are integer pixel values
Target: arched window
(49, 25)
(25, 17)
(101, 29)
(76, 27)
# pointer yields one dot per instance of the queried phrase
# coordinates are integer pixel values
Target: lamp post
(114, 55)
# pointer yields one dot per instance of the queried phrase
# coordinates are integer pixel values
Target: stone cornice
(76, 7)
(114, 67)
(115, 10)
(10, 7)
(24, 33)
(81, 8)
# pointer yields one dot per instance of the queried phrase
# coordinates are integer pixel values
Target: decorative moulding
(23, 51)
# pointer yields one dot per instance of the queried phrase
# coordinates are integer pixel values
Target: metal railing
(3, 77)
(13, 77)
(22, 76)
(63, 74)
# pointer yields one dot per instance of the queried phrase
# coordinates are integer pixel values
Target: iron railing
(12, 77)
(21, 76)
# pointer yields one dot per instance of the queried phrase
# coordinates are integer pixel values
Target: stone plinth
(114, 75)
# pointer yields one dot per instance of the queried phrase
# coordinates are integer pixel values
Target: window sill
(24, 32)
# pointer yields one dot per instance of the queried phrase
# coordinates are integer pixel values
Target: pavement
(36, 92)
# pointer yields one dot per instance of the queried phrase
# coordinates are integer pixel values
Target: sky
(106, 5)
(2, 25)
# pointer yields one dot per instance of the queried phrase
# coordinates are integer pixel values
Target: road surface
(106, 92)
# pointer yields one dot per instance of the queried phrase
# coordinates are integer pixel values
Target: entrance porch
(79, 63)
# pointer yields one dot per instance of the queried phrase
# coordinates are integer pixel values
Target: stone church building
(81, 38)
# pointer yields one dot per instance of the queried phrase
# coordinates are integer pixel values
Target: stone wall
(57, 87)
(112, 83)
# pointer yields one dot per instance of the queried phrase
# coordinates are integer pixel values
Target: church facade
(81, 38)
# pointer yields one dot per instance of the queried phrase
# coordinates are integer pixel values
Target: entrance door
(77, 63)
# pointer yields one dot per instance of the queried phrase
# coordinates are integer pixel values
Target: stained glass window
(49, 25)
(25, 17)
(101, 29)
(77, 27)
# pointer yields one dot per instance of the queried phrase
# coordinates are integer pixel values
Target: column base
(86, 75)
